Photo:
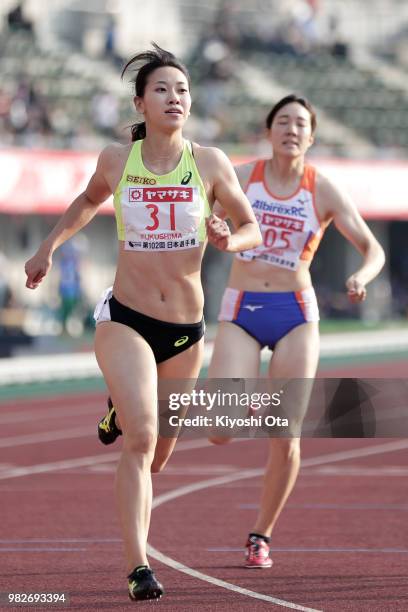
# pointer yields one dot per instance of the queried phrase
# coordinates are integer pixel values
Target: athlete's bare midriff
(260, 276)
(165, 286)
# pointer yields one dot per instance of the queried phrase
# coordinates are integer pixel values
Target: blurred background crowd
(61, 94)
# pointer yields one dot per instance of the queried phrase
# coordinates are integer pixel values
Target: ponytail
(138, 131)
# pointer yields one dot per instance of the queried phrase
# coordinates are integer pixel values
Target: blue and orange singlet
(291, 229)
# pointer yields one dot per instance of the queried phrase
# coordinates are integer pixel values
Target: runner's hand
(37, 268)
(218, 233)
(356, 290)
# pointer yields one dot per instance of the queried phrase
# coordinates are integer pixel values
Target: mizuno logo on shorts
(181, 341)
(251, 307)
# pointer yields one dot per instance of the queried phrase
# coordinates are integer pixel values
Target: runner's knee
(140, 441)
(287, 449)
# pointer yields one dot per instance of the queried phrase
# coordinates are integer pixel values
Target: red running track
(341, 544)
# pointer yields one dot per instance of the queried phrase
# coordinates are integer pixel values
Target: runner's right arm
(80, 213)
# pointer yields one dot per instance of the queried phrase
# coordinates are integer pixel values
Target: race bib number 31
(161, 218)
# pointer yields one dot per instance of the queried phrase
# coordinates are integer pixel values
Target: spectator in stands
(28, 114)
(105, 107)
(111, 51)
(225, 26)
(5, 289)
(16, 19)
(337, 45)
(70, 289)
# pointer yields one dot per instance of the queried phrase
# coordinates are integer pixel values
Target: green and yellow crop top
(161, 212)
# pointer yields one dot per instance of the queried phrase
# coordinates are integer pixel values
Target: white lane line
(403, 551)
(386, 471)
(97, 459)
(332, 507)
(203, 484)
(64, 541)
(42, 549)
(320, 459)
(55, 466)
(213, 482)
(176, 472)
(78, 432)
(47, 436)
(67, 464)
(373, 449)
(221, 583)
(18, 545)
(184, 445)
(50, 413)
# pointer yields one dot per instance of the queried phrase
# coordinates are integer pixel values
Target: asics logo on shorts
(181, 341)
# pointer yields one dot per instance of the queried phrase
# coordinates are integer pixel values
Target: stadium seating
(355, 97)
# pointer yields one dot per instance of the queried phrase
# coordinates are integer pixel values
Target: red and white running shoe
(257, 553)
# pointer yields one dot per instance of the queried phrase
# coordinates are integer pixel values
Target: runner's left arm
(352, 226)
(230, 197)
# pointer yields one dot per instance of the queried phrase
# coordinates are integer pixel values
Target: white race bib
(161, 217)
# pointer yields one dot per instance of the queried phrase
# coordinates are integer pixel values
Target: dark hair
(289, 100)
(150, 60)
